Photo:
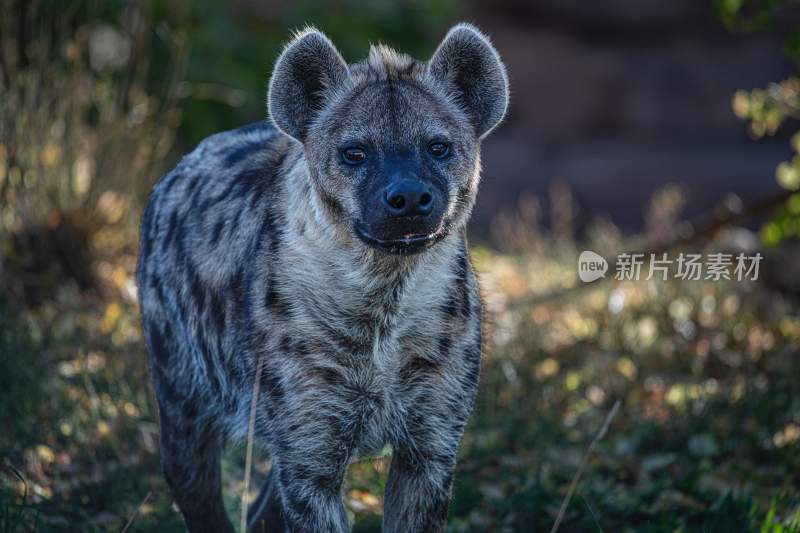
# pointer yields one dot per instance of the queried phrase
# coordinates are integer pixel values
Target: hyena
(323, 254)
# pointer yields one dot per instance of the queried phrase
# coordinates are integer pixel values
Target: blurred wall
(622, 97)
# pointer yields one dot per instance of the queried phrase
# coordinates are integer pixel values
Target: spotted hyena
(323, 254)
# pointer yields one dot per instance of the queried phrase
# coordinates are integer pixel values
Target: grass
(707, 437)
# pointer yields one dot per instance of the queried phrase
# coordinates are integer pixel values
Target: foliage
(704, 399)
(80, 120)
(761, 15)
(766, 110)
(20, 375)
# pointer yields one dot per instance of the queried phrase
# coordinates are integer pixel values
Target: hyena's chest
(369, 350)
(373, 386)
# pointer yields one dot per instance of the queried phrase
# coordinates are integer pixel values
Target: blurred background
(635, 125)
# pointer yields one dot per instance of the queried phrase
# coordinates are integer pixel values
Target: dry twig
(577, 477)
(136, 512)
(248, 462)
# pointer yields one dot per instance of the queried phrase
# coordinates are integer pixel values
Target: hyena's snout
(408, 197)
(404, 214)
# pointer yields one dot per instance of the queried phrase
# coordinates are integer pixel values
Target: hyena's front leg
(309, 460)
(418, 491)
(421, 476)
(424, 457)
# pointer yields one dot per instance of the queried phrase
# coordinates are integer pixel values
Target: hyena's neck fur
(328, 268)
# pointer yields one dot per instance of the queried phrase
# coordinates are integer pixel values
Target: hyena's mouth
(406, 245)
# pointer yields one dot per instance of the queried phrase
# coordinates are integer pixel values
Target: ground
(707, 437)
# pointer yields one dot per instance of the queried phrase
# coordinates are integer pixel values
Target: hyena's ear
(467, 63)
(309, 67)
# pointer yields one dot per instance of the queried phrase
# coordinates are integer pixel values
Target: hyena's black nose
(407, 197)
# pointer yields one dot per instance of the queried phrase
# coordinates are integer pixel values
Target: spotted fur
(248, 254)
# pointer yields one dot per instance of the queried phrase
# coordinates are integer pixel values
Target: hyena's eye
(439, 149)
(353, 155)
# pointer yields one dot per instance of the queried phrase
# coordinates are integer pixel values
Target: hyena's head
(392, 143)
